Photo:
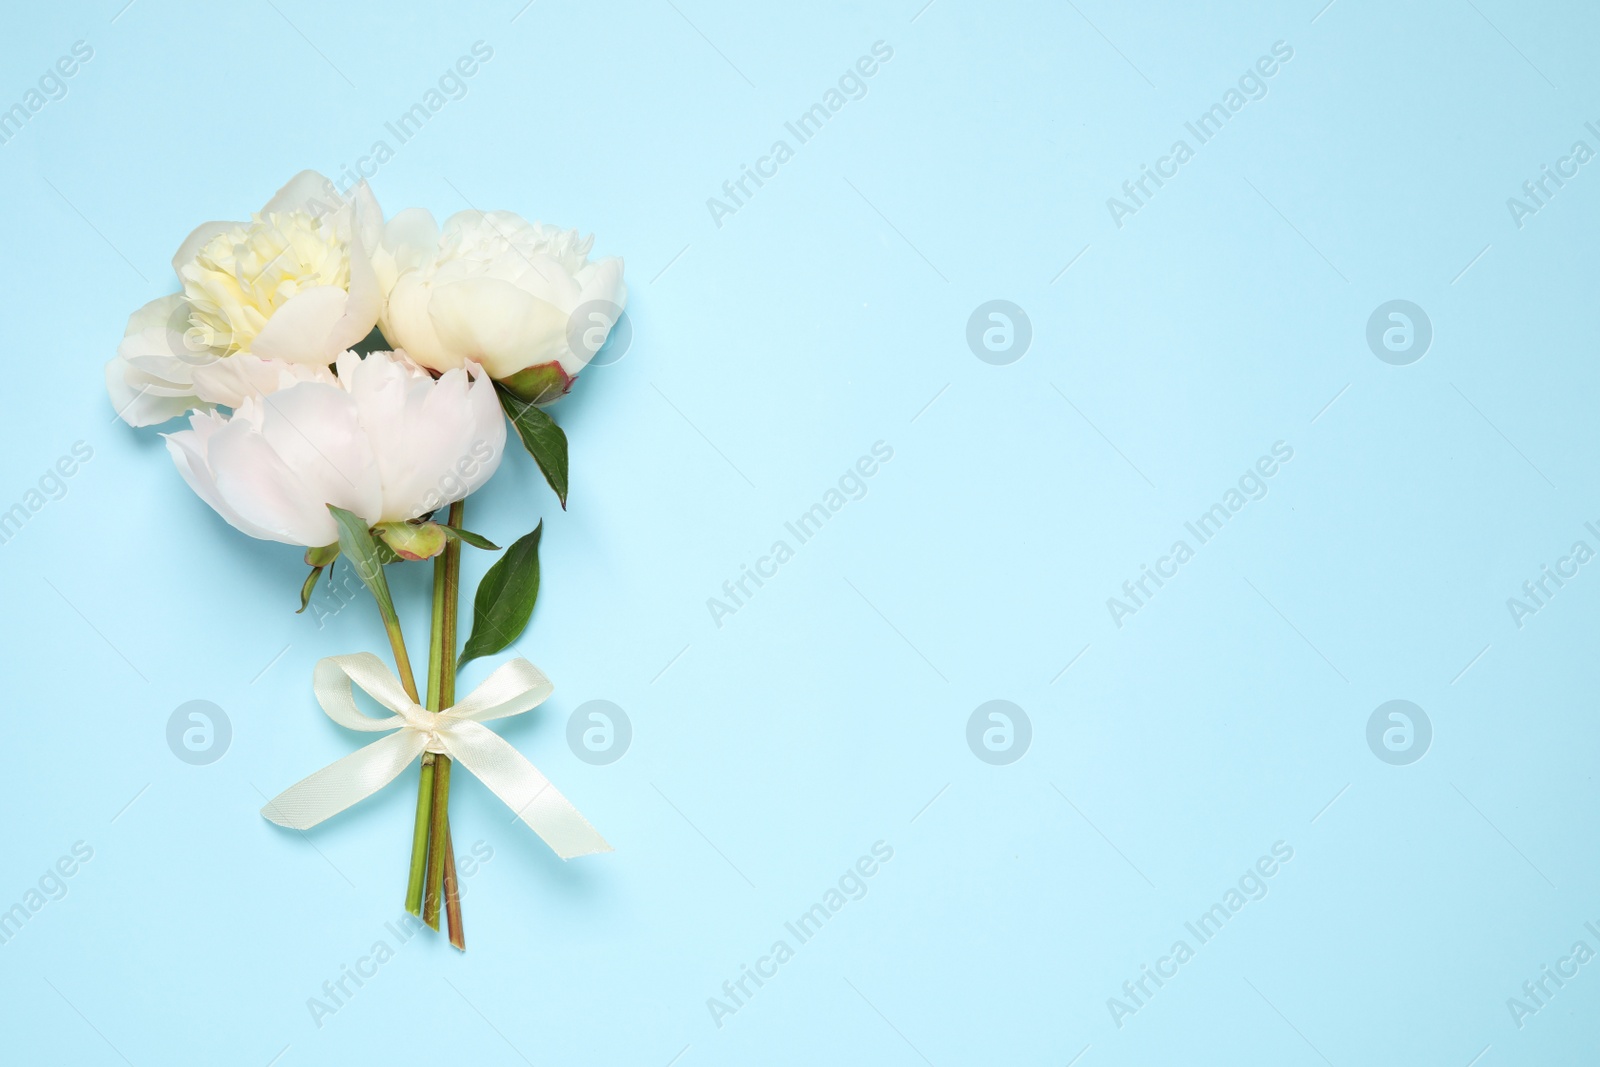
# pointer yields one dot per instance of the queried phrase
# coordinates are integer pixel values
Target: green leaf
(305, 590)
(505, 599)
(544, 440)
(467, 537)
(357, 546)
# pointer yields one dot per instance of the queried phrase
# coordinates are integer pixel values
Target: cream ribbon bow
(457, 732)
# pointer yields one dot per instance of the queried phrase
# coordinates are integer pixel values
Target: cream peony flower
(520, 298)
(265, 304)
(383, 440)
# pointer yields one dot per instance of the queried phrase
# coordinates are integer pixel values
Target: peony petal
(432, 441)
(600, 282)
(439, 443)
(198, 238)
(162, 354)
(306, 328)
(409, 240)
(281, 459)
(315, 429)
(256, 485)
(141, 404)
(228, 381)
(409, 448)
(544, 277)
(497, 324)
(378, 387)
(309, 192)
(412, 237)
(146, 382)
(489, 428)
(188, 450)
(408, 325)
(368, 216)
(364, 300)
(164, 311)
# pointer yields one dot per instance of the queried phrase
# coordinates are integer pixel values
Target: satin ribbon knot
(426, 723)
(458, 732)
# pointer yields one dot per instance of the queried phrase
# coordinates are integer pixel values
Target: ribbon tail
(344, 782)
(510, 776)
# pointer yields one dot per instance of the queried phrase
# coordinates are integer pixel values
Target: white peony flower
(265, 304)
(384, 440)
(520, 298)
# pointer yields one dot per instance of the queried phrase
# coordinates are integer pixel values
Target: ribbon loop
(458, 731)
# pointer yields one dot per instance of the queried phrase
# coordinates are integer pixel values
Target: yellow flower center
(244, 274)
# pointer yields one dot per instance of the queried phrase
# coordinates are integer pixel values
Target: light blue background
(769, 353)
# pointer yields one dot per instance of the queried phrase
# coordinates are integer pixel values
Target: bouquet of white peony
(347, 380)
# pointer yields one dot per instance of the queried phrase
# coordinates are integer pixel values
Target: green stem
(436, 645)
(447, 694)
(432, 864)
(419, 836)
(397, 642)
(421, 829)
(452, 894)
(438, 836)
(452, 583)
(402, 661)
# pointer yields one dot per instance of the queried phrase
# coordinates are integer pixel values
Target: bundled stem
(437, 828)
(451, 564)
(432, 879)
